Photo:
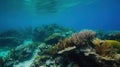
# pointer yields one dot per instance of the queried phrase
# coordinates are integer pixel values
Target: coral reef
(19, 54)
(106, 47)
(81, 39)
(26, 33)
(47, 32)
(56, 46)
(80, 49)
(39, 60)
(53, 39)
(10, 38)
(1, 62)
(68, 48)
(114, 36)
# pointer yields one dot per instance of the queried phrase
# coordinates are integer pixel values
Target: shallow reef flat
(56, 46)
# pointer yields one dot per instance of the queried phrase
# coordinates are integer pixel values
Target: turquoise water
(95, 14)
(45, 33)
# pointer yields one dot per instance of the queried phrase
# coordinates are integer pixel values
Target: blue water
(98, 15)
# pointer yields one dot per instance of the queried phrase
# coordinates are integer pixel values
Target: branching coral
(81, 39)
(84, 48)
(106, 47)
(78, 50)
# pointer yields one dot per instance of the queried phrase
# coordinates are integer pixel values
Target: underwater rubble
(55, 46)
